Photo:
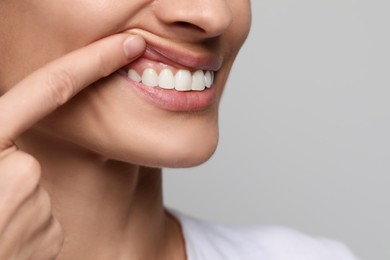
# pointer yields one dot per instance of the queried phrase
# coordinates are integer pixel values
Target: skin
(80, 153)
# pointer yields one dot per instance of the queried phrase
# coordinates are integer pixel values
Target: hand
(28, 229)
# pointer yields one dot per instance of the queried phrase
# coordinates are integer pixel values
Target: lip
(173, 100)
(187, 56)
(183, 59)
(161, 51)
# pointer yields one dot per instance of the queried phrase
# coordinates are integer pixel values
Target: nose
(202, 18)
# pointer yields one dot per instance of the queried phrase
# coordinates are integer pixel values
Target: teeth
(198, 80)
(150, 78)
(132, 74)
(166, 79)
(208, 79)
(184, 80)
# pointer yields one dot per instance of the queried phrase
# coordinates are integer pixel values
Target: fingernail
(133, 46)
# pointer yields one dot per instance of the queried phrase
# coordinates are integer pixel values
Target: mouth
(157, 74)
(173, 78)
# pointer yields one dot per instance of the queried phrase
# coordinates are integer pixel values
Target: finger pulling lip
(178, 61)
(183, 89)
(183, 95)
(198, 95)
(180, 55)
(184, 59)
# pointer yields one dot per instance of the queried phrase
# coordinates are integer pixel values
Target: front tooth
(166, 79)
(150, 78)
(133, 75)
(208, 79)
(183, 80)
(198, 80)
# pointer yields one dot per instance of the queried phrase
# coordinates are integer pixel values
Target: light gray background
(305, 125)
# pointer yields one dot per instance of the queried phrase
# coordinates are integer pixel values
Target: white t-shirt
(206, 241)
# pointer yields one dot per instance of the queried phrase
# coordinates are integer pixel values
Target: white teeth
(208, 79)
(198, 80)
(150, 78)
(132, 74)
(166, 79)
(183, 80)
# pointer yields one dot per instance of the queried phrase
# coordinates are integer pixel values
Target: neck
(108, 209)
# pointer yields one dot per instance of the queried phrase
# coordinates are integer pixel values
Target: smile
(158, 68)
(174, 79)
(167, 78)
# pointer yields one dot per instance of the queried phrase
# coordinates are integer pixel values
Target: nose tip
(208, 17)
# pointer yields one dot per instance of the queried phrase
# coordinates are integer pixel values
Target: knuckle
(57, 233)
(6, 146)
(41, 211)
(42, 206)
(61, 86)
(19, 179)
(28, 168)
(44, 200)
(53, 242)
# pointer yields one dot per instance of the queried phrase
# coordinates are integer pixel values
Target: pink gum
(141, 64)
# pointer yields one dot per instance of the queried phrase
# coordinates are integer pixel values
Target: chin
(133, 131)
(174, 151)
(188, 155)
(186, 143)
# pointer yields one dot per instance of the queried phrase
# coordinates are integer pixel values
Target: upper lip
(174, 54)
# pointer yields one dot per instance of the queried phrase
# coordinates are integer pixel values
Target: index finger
(46, 89)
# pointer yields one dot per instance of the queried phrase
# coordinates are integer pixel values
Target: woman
(97, 97)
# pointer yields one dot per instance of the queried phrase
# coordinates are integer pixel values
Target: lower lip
(173, 100)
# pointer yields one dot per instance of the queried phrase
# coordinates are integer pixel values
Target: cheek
(235, 36)
(103, 121)
(45, 30)
(240, 27)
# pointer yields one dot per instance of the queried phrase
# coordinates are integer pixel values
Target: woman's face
(122, 118)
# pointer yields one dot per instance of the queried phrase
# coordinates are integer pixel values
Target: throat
(107, 209)
(109, 222)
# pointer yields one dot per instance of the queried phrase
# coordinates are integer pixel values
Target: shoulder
(205, 241)
(281, 243)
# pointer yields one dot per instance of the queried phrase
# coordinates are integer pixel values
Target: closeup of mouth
(166, 77)
(174, 79)
(181, 80)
